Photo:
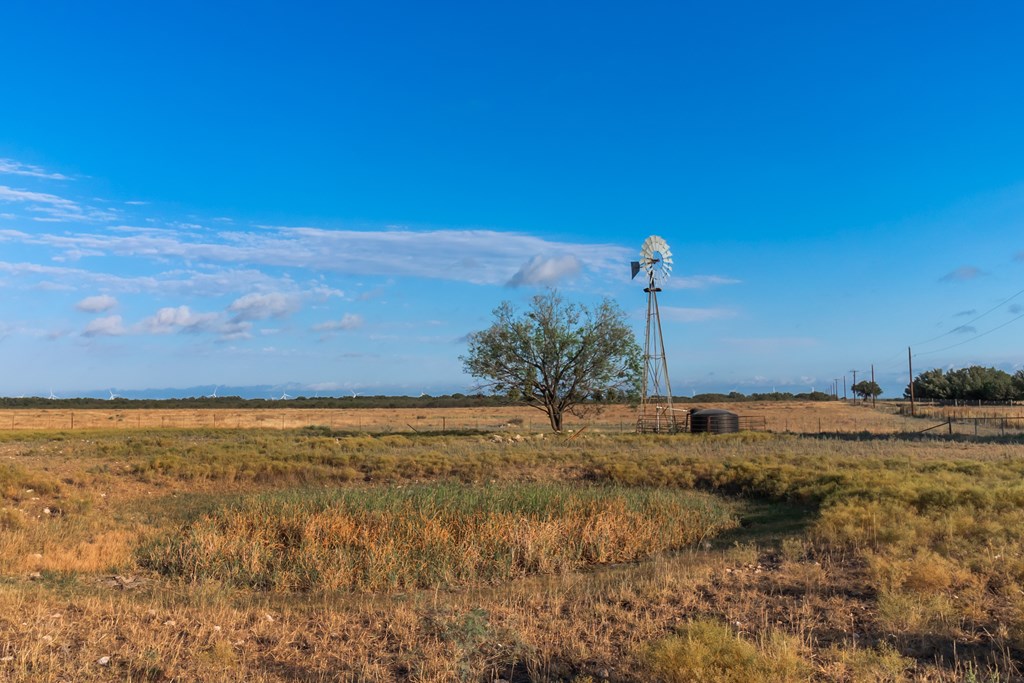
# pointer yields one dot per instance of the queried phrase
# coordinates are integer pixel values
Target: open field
(799, 417)
(273, 555)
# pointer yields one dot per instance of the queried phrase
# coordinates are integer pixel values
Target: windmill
(112, 395)
(52, 396)
(214, 394)
(655, 413)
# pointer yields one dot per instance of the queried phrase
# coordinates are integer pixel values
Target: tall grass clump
(16, 482)
(709, 651)
(380, 539)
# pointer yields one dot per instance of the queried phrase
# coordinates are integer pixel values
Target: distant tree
(556, 356)
(866, 389)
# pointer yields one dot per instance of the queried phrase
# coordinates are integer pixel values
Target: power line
(977, 336)
(886, 365)
(969, 322)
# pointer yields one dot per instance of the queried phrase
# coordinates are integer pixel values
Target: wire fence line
(889, 418)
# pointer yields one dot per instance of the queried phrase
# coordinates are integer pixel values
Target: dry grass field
(308, 554)
(799, 417)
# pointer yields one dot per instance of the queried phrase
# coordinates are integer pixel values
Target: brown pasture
(796, 417)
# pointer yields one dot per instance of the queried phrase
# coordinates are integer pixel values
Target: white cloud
(50, 208)
(349, 321)
(96, 304)
(110, 326)
(179, 319)
(541, 270)
(679, 314)
(263, 306)
(699, 281)
(13, 167)
(11, 195)
(219, 282)
(476, 256)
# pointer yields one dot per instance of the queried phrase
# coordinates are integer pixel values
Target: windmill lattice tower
(656, 413)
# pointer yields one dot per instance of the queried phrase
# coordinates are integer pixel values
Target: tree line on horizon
(974, 383)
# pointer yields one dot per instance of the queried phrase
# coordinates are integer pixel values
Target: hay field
(799, 417)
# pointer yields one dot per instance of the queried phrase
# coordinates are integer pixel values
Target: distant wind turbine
(354, 394)
(214, 394)
(112, 395)
(52, 396)
(285, 396)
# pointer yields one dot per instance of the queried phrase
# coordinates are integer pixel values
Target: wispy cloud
(474, 256)
(46, 207)
(349, 321)
(545, 270)
(962, 274)
(263, 306)
(96, 304)
(964, 329)
(964, 314)
(699, 281)
(110, 326)
(179, 319)
(12, 167)
(695, 315)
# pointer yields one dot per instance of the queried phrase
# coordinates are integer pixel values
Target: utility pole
(844, 387)
(910, 367)
(854, 384)
(835, 388)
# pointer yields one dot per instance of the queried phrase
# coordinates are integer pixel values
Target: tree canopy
(866, 389)
(557, 356)
(974, 383)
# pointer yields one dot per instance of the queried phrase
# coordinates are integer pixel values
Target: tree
(866, 389)
(556, 357)
(974, 383)
(1018, 385)
(931, 384)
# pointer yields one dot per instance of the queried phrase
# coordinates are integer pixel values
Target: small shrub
(708, 651)
(882, 664)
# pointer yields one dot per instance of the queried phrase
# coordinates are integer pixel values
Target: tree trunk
(555, 416)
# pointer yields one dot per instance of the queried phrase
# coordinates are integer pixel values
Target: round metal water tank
(714, 421)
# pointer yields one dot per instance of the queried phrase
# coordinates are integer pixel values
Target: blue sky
(329, 197)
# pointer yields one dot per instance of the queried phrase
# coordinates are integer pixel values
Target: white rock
(103, 661)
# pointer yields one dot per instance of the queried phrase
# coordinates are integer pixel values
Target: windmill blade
(634, 266)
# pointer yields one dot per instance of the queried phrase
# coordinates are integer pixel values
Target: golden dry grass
(799, 417)
(896, 559)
